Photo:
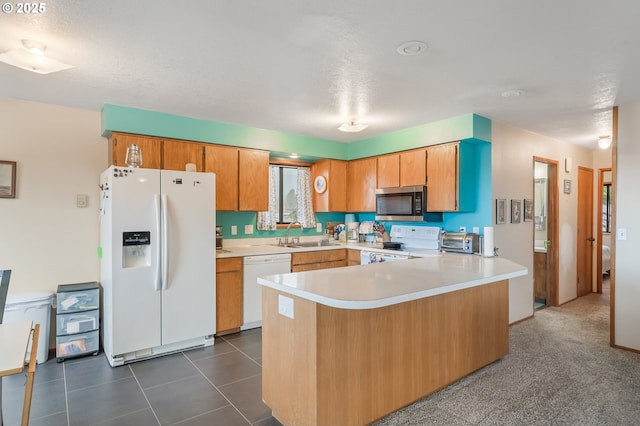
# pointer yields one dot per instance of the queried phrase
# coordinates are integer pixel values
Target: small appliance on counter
(218, 237)
(353, 231)
(460, 242)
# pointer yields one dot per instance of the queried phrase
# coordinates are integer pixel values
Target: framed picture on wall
(528, 210)
(501, 211)
(7, 179)
(516, 211)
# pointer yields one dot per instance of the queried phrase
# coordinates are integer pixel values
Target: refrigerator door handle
(158, 274)
(165, 237)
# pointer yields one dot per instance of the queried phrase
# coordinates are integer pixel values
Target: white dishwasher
(254, 267)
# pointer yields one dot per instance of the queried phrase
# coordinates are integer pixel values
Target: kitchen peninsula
(350, 345)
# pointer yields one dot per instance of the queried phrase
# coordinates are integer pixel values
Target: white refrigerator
(157, 250)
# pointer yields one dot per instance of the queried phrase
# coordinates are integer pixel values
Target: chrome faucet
(286, 235)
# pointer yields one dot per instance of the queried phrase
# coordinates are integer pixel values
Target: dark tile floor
(218, 385)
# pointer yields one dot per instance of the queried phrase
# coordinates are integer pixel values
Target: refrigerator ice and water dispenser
(136, 249)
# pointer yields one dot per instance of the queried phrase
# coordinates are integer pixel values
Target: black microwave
(405, 203)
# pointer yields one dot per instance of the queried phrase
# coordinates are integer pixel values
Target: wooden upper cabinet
(176, 154)
(253, 180)
(334, 198)
(413, 167)
(388, 171)
(224, 162)
(450, 173)
(151, 148)
(361, 181)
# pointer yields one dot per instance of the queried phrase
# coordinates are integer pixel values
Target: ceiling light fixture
(412, 48)
(604, 141)
(34, 47)
(31, 57)
(513, 93)
(294, 155)
(352, 127)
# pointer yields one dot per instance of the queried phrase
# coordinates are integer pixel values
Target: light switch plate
(318, 227)
(285, 306)
(234, 230)
(248, 229)
(476, 230)
(622, 234)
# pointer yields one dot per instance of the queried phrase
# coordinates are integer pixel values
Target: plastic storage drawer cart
(77, 320)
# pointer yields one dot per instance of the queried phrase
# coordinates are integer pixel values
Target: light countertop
(383, 284)
(259, 248)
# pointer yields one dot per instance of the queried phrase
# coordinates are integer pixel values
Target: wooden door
(361, 181)
(585, 231)
(413, 167)
(149, 146)
(442, 177)
(223, 161)
(253, 180)
(176, 154)
(388, 171)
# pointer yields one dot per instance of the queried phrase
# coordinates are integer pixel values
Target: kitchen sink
(308, 244)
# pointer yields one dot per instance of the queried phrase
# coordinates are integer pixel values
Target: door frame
(599, 237)
(553, 233)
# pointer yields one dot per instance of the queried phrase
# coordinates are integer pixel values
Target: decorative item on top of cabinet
(176, 154)
(228, 295)
(151, 148)
(361, 181)
(334, 198)
(450, 177)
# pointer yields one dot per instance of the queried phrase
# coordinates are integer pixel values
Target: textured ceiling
(305, 67)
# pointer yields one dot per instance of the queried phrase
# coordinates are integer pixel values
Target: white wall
(44, 239)
(513, 150)
(627, 284)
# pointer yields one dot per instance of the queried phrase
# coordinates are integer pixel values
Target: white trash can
(32, 306)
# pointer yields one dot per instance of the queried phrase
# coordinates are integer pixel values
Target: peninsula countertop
(383, 284)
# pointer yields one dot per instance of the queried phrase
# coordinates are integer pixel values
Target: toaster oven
(460, 242)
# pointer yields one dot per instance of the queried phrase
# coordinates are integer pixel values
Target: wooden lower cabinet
(333, 366)
(313, 260)
(228, 295)
(353, 257)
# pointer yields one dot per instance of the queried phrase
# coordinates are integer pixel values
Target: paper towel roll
(190, 167)
(487, 247)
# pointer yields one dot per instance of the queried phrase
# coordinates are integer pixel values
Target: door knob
(591, 239)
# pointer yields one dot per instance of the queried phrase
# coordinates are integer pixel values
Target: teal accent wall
(469, 128)
(449, 130)
(131, 120)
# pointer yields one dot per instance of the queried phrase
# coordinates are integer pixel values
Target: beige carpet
(560, 371)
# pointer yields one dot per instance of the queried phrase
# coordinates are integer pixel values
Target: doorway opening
(604, 227)
(545, 232)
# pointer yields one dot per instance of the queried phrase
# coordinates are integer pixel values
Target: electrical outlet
(234, 230)
(248, 229)
(463, 229)
(318, 227)
(285, 306)
(476, 230)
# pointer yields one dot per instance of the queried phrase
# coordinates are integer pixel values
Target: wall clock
(320, 184)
